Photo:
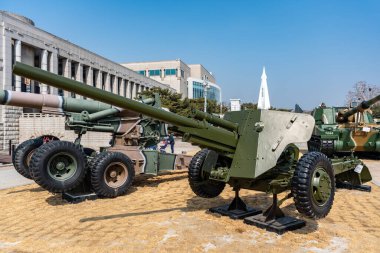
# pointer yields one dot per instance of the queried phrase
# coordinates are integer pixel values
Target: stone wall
(10, 125)
(32, 125)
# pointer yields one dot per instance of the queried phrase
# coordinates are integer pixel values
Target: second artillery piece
(61, 166)
(251, 149)
(340, 130)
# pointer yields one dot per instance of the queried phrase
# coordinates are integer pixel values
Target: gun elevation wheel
(22, 155)
(112, 174)
(313, 185)
(198, 180)
(58, 166)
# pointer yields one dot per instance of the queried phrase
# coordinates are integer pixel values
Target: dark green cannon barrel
(205, 131)
(214, 120)
(360, 108)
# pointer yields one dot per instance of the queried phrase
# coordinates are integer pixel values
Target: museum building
(192, 80)
(22, 41)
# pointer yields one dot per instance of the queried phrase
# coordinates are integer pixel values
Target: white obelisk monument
(263, 102)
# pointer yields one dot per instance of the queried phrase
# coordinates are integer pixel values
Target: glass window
(142, 72)
(182, 73)
(213, 93)
(170, 72)
(155, 72)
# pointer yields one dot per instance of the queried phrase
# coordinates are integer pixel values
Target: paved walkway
(10, 178)
(374, 168)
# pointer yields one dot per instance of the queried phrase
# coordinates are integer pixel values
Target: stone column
(53, 68)
(67, 74)
(9, 114)
(98, 81)
(79, 76)
(7, 63)
(89, 78)
(136, 90)
(18, 58)
(44, 66)
(128, 89)
(107, 82)
(122, 87)
(114, 86)
(133, 87)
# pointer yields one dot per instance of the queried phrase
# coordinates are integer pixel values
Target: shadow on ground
(260, 201)
(153, 181)
(36, 189)
(140, 181)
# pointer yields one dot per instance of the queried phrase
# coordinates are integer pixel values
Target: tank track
(325, 146)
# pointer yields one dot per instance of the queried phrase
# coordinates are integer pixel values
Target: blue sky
(313, 51)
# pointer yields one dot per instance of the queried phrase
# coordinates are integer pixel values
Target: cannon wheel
(22, 155)
(112, 174)
(89, 151)
(24, 151)
(199, 182)
(313, 185)
(58, 166)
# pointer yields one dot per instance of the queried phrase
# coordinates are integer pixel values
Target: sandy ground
(161, 214)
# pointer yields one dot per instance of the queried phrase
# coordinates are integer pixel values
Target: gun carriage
(251, 149)
(61, 166)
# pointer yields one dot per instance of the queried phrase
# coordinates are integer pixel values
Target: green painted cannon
(132, 136)
(340, 130)
(251, 149)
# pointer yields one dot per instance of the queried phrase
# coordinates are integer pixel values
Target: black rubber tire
(99, 164)
(312, 147)
(89, 151)
(202, 187)
(302, 181)
(19, 157)
(39, 161)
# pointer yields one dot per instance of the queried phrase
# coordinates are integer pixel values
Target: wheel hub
(113, 174)
(62, 166)
(321, 186)
(116, 174)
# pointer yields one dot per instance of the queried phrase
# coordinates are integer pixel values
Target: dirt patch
(161, 214)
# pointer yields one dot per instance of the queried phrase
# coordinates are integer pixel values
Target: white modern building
(235, 104)
(21, 40)
(190, 80)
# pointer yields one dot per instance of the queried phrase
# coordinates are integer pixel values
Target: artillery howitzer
(341, 129)
(132, 138)
(251, 149)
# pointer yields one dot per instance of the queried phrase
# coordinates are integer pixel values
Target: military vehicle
(113, 169)
(342, 130)
(252, 149)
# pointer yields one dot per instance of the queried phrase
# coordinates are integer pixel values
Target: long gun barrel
(51, 103)
(360, 108)
(203, 131)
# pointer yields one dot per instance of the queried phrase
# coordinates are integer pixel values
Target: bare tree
(362, 91)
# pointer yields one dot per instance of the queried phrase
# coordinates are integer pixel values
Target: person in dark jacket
(171, 141)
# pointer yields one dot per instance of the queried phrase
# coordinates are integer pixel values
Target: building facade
(197, 88)
(235, 104)
(21, 40)
(189, 80)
